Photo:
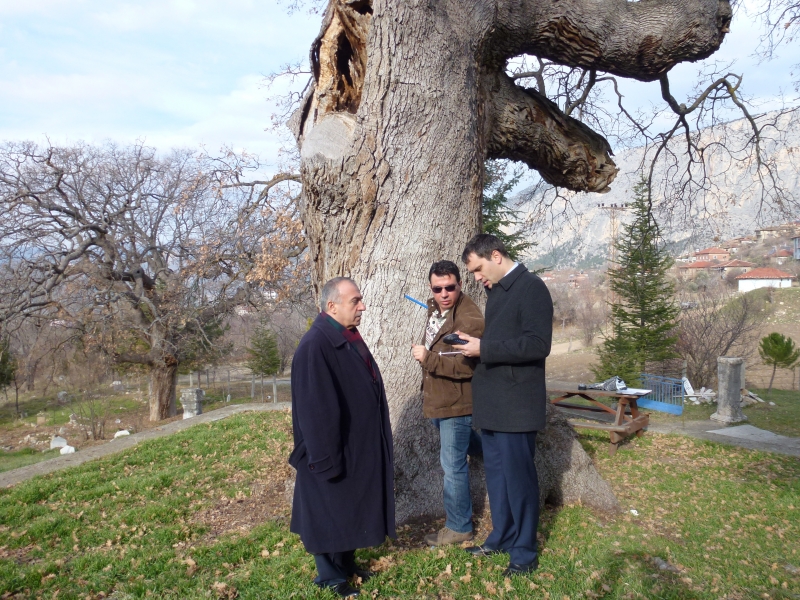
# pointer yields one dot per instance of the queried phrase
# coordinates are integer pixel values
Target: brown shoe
(446, 536)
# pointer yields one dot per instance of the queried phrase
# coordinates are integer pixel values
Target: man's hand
(419, 353)
(473, 348)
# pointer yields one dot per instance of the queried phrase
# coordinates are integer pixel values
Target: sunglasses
(437, 289)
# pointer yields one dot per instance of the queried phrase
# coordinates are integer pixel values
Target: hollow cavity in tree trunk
(407, 102)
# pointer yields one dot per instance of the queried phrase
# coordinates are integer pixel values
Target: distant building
(780, 256)
(796, 241)
(763, 277)
(733, 265)
(733, 246)
(778, 231)
(690, 270)
(712, 254)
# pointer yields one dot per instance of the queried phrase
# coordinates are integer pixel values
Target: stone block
(730, 377)
(57, 442)
(192, 402)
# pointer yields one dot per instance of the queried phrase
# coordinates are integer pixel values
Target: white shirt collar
(516, 264)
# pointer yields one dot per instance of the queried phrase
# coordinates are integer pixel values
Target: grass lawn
(24, 457)
(202, 514)
(783, 418)
(58, 414)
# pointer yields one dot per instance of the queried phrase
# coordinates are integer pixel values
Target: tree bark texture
(163, 381)
(408, 100)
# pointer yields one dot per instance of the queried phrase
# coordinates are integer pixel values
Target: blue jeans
(458, 439)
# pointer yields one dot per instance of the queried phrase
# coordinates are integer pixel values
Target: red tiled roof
(700, 264)
(766, 273)
(734, 264)
(714, 250)
(782, 253)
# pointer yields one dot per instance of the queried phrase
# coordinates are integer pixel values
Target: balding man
(344, 490)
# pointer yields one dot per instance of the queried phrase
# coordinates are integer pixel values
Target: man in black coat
(509, 396)
(344, 489)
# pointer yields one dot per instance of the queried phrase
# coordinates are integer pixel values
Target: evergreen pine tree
(8, 371)
(495, 210)
(643, 312)
(8, 366)
(265, 359)
(778, 350)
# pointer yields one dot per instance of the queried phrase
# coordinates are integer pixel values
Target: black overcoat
(344, 489)
(508, 388)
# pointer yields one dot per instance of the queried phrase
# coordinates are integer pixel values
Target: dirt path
(695, 429)
(14, 476)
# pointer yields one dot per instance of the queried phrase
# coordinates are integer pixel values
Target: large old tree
(144, 255)
(407, 101)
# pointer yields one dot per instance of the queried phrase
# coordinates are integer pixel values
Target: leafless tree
(144, 253)
(591, 312)
(718, 323)
(563, 304)
(781, 20)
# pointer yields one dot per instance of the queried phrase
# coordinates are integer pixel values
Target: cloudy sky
(191, 72)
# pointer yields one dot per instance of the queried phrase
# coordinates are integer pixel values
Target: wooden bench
(621, 422)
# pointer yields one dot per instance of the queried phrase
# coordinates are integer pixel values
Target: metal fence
(667, 394)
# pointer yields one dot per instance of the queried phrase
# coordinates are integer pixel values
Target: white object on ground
(57, 442)
(704, 396)
(121, 433)
(634, 512)
(772, 404)
(67, 450)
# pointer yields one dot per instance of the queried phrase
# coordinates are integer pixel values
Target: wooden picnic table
(621, 422)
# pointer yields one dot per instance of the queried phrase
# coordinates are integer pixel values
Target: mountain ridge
(575, 229)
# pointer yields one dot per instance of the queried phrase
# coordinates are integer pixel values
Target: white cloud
(189, 72)
(177, 73)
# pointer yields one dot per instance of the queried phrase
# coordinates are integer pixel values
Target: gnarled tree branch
(524, 125)
(640, 40)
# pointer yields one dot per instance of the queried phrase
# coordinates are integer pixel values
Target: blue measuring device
(415, 301)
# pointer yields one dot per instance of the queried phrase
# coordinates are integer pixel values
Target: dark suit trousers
(335, 567)
(513, 487)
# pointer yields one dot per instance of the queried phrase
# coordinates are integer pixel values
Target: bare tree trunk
(163, 381)
(30, 376)
(772, 379)
(408, 101)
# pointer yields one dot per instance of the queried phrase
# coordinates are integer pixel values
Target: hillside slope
(575, 230)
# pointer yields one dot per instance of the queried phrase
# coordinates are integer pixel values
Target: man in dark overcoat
(344, 489)
(509, 396)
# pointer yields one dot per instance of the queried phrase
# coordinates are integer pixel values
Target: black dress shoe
(482, 550)
(514, 569)
(343, 589)
(364, 575)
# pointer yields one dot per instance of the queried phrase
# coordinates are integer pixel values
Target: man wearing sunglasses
(447, 395)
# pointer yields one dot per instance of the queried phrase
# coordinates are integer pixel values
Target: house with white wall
(764, 277)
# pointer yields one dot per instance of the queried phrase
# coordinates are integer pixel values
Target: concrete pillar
(192, 402)
(730, 376)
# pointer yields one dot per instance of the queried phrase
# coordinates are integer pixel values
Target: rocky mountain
(575, 229)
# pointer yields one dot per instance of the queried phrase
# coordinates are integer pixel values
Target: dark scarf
(357, 343)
